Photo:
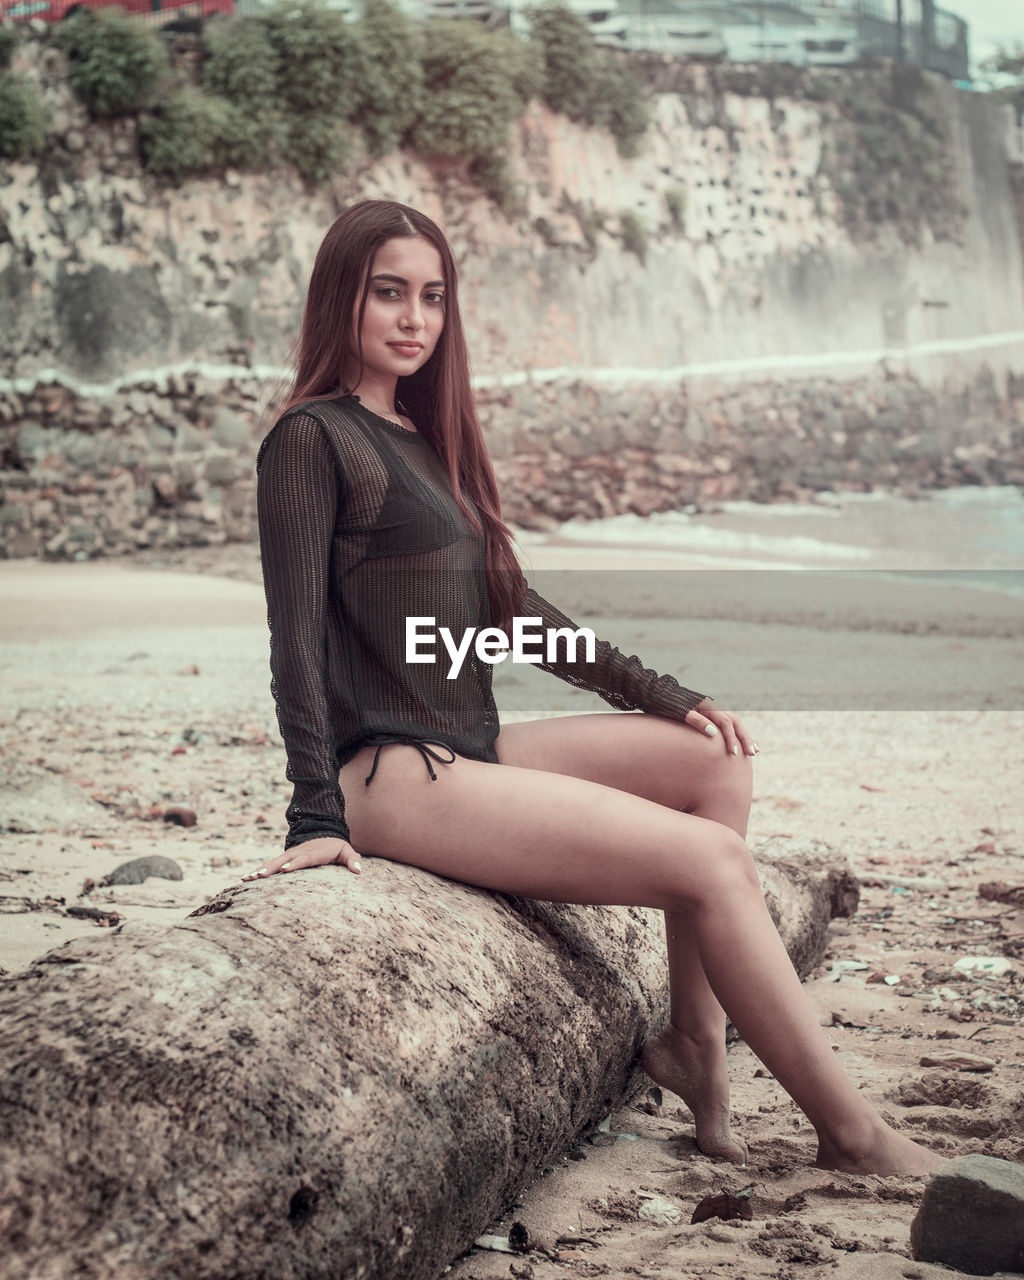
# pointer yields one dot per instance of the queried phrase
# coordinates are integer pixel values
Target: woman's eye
(436, 298)
(386, 291)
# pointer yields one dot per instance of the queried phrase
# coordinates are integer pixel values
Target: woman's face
(404, 313)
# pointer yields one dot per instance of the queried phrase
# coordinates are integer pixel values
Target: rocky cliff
(775, 296)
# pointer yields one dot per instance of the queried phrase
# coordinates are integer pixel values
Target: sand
(132, 687)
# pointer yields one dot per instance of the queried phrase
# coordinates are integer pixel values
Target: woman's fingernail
(262, 871)
(736, 749)
(286, 867)
(710, 730)
(754, 748)
(356, 866)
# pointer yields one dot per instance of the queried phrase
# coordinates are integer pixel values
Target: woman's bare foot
(875, 1148)
(696, 1070)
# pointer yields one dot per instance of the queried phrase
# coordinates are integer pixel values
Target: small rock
(140, 869)
(725, 1206)
(661, 1212)
(959, 1062)
(972, 1216)
(179, 816)
(997, 891)
(519, 1237)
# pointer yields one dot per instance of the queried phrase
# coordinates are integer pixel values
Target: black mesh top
(359, 530)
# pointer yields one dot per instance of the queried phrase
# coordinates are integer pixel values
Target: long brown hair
(438, 397)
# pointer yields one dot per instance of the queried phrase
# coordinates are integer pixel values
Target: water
(974, 533)
(854, 602)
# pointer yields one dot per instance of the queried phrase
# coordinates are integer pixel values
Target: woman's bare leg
(687, 771)
(565, 839)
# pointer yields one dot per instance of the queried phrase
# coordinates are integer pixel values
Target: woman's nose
(413, 318)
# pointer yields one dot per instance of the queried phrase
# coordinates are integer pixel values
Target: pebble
(180, 816)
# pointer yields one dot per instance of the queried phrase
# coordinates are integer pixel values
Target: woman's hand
(713, 721)
(320, 852)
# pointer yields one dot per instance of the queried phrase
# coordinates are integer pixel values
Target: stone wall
(173, 466)
(751, 341)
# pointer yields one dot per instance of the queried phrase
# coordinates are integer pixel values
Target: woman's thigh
(661, 760)
(536, 833)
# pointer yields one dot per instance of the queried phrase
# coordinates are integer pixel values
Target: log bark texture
(323, 1075)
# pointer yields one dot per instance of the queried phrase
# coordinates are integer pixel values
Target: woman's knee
(722, 787)
(729, 868)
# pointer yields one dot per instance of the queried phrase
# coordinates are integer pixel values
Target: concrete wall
(755, 345)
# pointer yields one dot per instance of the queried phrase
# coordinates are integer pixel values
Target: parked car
(605, 19)
(758, 33)
(803, 44)
(688, 31)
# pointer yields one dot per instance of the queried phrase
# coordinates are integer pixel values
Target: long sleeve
(299, 488)
(624, 682)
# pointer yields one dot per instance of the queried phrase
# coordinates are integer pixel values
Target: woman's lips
(406, 348)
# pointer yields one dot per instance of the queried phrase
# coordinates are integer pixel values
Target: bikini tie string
(383, 740)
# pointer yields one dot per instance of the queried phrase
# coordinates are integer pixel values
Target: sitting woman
(378, 508)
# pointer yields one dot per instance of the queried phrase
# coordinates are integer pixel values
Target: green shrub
(317, 146)
(624, 110)
(633, 234)
(24, 120)
(116, 62)
(319, 58)
(586, 83)
(389, 83)
(193, 132)
(241, 63)
(525, 66)
(493, 175)
(570, 60)
(473, 82)
(9, 40)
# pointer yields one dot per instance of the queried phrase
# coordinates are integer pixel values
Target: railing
(913, 31)
(836, 32)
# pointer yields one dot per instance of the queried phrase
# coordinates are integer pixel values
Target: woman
(377, 506)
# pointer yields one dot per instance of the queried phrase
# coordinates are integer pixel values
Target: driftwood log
(323, 1075)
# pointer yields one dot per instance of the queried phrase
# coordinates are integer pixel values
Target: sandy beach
(137, 693)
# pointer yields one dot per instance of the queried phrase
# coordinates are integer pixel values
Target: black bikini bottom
(421, 744)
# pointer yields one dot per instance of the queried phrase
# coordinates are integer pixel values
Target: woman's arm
(624, 682)
(299, 488)
(630, 686)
